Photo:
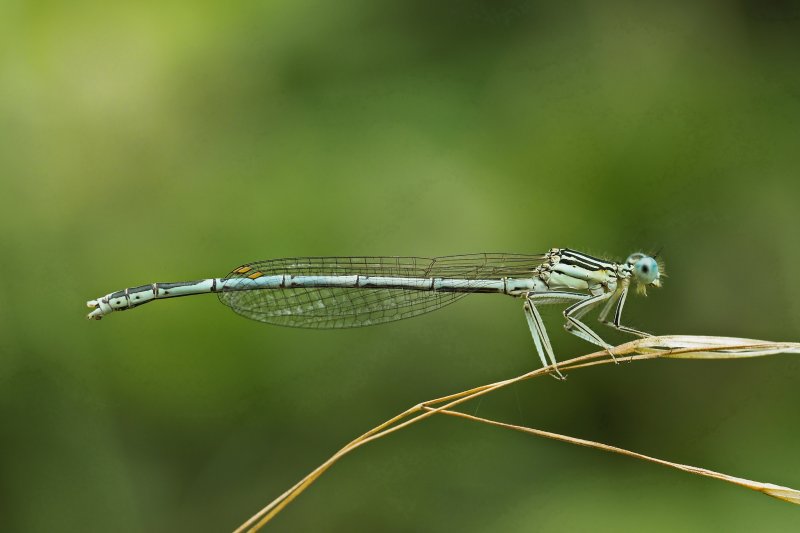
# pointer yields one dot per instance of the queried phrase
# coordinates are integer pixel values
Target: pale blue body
(559, 276)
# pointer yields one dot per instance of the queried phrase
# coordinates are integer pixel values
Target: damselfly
(343, 292)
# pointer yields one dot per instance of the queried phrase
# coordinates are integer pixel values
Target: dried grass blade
(776, 491)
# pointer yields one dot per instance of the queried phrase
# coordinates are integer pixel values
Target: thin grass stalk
(776, 491)
(674, 346)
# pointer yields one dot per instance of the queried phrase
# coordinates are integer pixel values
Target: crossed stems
(640, 349)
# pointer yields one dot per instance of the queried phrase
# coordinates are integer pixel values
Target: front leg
(618, 317)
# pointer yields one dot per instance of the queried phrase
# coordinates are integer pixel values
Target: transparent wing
(340, 307)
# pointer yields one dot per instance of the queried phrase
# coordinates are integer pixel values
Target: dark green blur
(168, 141)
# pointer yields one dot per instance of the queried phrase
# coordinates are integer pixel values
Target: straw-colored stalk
(672, 346)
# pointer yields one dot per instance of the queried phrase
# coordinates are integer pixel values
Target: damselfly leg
(602, 318)
(574, 325)
(536, 325)
(618, 316)
(540, 339)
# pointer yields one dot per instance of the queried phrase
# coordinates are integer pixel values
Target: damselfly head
(646, 270)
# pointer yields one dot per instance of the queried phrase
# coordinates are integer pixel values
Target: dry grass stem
(672, 346)
(776, 491)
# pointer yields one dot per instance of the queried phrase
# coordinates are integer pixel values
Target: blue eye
(646, 270)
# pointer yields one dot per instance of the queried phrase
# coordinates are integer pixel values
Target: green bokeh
(168, 141)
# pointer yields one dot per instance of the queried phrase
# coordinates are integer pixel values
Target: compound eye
(646, 270)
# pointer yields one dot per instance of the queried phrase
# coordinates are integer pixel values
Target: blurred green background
(167, 141)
